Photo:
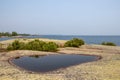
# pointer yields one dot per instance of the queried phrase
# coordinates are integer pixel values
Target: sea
(87, 39)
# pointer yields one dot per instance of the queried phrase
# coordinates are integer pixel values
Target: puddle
(50, 62)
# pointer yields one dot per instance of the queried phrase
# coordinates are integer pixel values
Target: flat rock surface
(107, 68)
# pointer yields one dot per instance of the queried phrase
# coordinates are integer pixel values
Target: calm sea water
(87, 39)
(5, 38)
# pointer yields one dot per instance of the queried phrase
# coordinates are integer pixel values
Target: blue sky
(61, 17)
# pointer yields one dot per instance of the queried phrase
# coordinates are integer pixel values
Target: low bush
(16, 45)
(50, 46)
(10, 47)
(33, 45)
(22, 46)
(108, 43)
(75, 42)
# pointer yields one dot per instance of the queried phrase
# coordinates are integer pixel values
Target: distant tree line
(12, 34)
(8, 34)
(24, 34)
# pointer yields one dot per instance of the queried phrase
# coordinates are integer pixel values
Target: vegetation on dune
(16, 45)
(50, 46)
(33, 45)
(108, 43)
(75, 42)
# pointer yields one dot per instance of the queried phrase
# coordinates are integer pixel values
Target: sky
(60, 17)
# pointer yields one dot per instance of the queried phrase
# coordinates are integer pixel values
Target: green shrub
(16, 45)
(50, 46)
(33, 45)
(75, 42)
(22, 46)
(10, 47)
(108, 43)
